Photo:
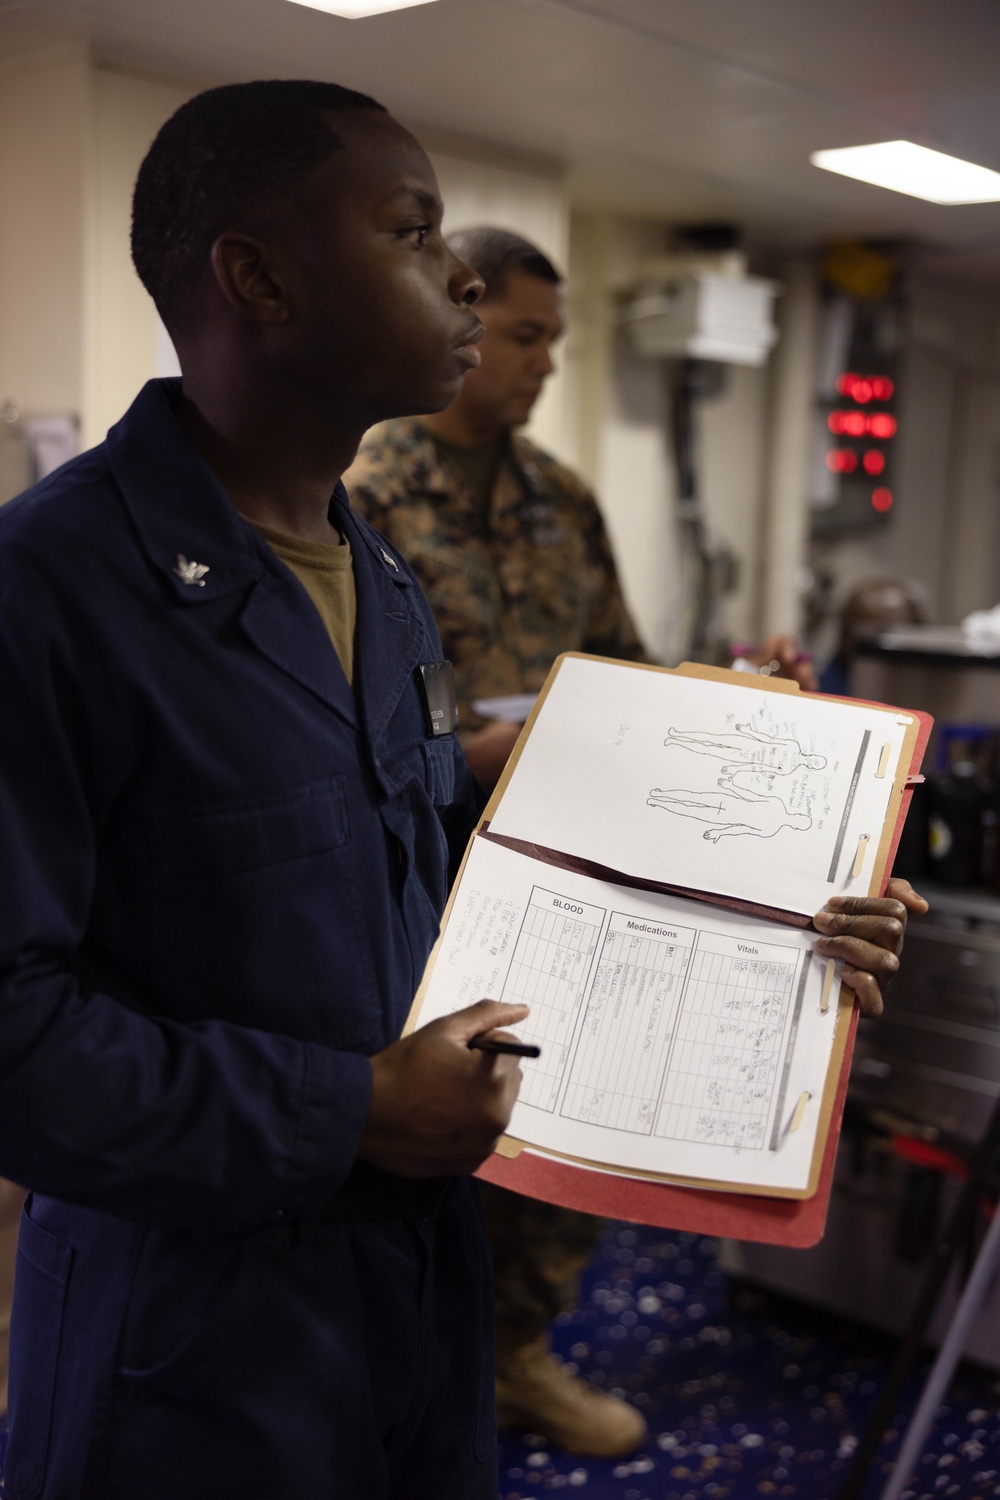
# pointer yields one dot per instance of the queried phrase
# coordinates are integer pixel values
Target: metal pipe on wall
(786, 494)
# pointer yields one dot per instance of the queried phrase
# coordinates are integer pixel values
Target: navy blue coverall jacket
(221, 872)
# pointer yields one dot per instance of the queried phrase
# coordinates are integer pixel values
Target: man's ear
(248, 280)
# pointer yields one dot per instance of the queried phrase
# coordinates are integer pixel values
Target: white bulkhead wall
(79, 336)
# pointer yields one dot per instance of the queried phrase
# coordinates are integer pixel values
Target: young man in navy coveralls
(245, 1269)
(251, 1265)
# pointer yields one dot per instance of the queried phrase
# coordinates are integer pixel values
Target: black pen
(512, 1049)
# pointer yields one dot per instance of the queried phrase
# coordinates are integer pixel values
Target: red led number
(842, 460)
(865, 388)
(856, 423)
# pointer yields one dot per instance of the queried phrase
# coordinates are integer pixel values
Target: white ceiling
(690, 108)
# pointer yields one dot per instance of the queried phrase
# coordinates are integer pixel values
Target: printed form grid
(727, 1055)
(548, 971)
(618, 1067)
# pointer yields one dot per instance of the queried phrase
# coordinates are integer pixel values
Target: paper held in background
(707, 785)
(676, 1039)
(510, 710)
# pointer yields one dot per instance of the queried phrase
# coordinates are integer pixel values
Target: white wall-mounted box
(704, 316)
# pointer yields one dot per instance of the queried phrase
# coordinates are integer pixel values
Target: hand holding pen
(504, 1046)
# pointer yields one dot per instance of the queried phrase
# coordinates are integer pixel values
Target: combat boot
(537, 1394)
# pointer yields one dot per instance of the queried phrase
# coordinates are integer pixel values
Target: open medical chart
(775, 798)
(680, 1040)
(677, 1039)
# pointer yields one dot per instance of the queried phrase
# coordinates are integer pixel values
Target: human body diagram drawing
(730, 806)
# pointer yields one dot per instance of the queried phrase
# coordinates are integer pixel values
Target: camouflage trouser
(539, 1252)
(11, 1199)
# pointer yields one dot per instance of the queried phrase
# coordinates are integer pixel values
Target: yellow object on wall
(859, 270)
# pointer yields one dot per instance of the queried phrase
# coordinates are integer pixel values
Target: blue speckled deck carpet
(746, 1395)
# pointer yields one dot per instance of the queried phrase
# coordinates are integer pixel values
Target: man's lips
(467, 350)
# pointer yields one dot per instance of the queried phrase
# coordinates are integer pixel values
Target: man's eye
(417, 233)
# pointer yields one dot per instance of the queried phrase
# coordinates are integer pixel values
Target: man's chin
(519, 413)
(425, 403)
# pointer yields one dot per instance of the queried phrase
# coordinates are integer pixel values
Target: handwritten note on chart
(676, 1039)
(776, 798)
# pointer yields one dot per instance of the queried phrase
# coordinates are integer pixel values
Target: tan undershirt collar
(327, 575)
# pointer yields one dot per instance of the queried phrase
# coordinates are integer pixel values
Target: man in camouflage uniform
(512, 553)
(508, 543)
(512, 581)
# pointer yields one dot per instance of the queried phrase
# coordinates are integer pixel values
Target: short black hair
(220, 154)
(495, 252)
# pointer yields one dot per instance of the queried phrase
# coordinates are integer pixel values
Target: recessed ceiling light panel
(353, 10)
(905, 167)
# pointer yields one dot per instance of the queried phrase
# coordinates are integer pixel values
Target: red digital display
(865, 430)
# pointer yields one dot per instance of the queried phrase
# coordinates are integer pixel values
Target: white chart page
(676, 1038)
(762, 795)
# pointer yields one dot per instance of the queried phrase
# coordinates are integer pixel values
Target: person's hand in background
(790, 661)
(488, 749)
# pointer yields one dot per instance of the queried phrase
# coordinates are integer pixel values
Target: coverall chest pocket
(226, 836)
(261, 912)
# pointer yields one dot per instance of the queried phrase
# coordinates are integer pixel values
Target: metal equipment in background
(715, 567)
(700, 309)
(15, 459)
(32, 447)
(855, 420)
(852, 483)
(923, 1084)
(960, 1230)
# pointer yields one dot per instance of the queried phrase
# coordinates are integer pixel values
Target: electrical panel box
(703, 316)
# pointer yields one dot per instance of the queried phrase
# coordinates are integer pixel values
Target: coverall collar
(180, 509)
(205, 551)
(387, 613)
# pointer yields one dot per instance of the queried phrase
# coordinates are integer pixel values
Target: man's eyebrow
(538, 325)
(429, 202)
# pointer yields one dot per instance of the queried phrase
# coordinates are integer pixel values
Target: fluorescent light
(907, 168)
(353, 10)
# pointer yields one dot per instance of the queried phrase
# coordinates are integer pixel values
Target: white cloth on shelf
(983, 625)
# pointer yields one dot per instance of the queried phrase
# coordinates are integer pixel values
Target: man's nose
(544, 364)
(465, 285)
